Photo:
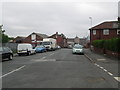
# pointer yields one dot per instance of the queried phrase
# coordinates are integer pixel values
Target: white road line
(43, 57)
(101, 67)
(98, 65)
(105, 70)
(51, 54)
(117, 78)
(12, 71)
(110, 73)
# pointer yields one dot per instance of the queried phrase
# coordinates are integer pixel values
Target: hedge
(110, 44)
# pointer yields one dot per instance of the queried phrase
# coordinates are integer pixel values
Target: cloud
(70, 18)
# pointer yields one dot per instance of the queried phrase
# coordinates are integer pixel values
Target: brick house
(34, 38)
(105, 30)
(18, 39)
(77, 40)
(60, 38)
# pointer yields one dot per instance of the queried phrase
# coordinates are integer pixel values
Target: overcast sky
(70, 18)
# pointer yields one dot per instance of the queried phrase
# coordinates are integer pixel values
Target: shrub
(110, 44)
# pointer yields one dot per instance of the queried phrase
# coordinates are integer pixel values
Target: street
(55, 69)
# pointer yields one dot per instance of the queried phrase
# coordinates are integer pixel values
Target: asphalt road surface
(54, 69)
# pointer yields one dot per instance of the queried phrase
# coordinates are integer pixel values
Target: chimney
(56, 33)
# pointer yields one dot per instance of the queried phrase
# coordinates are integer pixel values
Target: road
(55, 69)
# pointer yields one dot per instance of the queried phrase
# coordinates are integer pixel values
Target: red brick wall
(28, 39)
(99, 35)
(60, 41)
(107, 52)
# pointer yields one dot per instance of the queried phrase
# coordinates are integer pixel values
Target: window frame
(106, 31)
(118, 30)
(94, 32)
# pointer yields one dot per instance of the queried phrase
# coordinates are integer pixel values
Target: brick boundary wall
(107, 52)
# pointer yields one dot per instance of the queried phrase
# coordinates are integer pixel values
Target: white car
(78, 49)
(25, 48)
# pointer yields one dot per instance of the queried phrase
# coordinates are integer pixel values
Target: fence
(12, 46)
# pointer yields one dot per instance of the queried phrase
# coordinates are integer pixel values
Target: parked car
(6, 53)
(40, 48)
(25, 48)
(78, 49)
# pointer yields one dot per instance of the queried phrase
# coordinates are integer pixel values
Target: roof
(19, 38)
(61, 35)
(41, 35)
(70, 39)
(106, 25)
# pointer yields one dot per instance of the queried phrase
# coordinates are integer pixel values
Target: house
(77, 40)
(60, 38)
(70, 41)
(105, 30)
(18, 39)
(34, 38)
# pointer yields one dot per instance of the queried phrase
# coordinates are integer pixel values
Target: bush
(98, 43)
(110, 44)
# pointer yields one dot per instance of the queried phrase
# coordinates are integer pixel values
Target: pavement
(108, 64)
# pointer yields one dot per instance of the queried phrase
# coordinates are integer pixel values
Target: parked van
(25, 48)
(49, 43)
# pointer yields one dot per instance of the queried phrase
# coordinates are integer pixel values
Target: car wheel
(10, 57)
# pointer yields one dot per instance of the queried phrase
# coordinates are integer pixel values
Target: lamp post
(90, 35)
(91, 21)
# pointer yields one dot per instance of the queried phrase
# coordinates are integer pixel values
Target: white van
(49, 43)
(25, 48)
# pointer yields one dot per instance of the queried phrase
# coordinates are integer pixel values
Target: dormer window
(94, 32)
(33, 37)
(106, 32)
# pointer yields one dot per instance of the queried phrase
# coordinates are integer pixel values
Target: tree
(3, 37)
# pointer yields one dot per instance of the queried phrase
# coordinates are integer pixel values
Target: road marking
(12, 71)
(101, 59)
(110, 73)
(101, 67)
(98, 65)
(105, 70)
(89, 58)
(43, 57)
(117, 78)
(51, 54)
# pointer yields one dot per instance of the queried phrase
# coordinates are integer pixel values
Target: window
(106, 32)
(33, 37)
(118, 32)
(94, 32)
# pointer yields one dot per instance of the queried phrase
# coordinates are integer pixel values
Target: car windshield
(46, 43)
(40, 47)
(78, 47)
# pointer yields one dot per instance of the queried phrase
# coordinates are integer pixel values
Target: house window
(33, 37)
(118, 32)
(106, 32)
(94, 32)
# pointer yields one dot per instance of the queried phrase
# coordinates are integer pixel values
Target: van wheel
(19, 54)
(10, 57)
(28, 53)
